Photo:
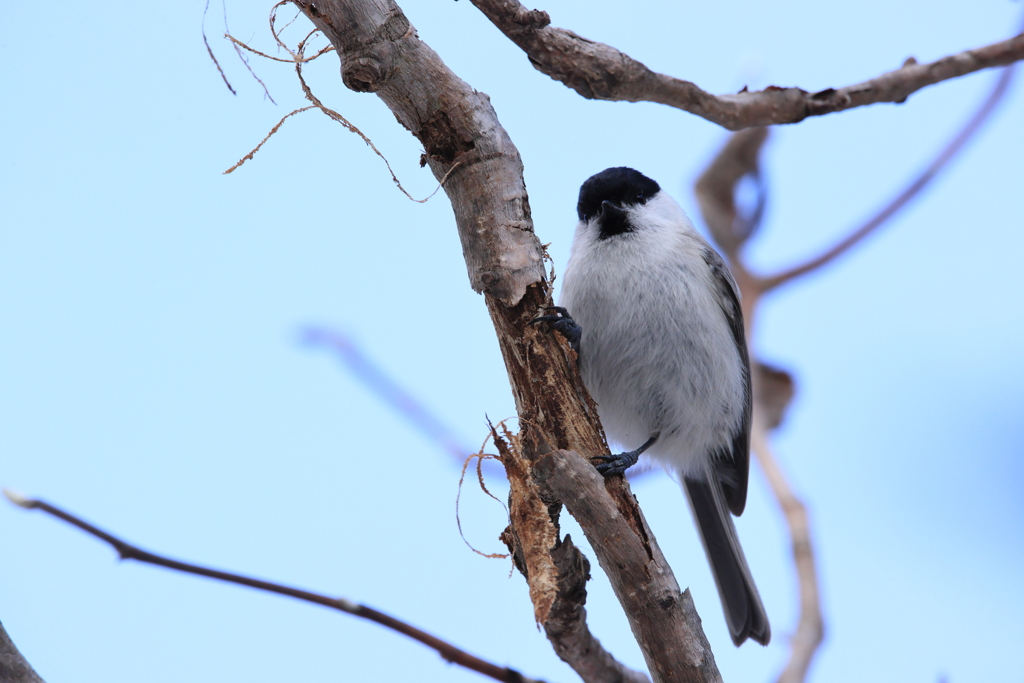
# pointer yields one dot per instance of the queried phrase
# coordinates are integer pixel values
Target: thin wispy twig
(127, 551)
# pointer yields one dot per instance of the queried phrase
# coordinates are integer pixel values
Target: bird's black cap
(621, 186)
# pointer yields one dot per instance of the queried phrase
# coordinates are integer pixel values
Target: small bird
(654, 314)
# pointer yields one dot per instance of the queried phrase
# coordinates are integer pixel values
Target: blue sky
(153, 379)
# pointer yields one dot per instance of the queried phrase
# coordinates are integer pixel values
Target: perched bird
(654, 314)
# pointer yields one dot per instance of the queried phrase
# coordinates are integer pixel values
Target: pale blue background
(151, 377)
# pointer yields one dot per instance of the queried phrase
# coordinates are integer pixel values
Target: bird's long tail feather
(741, 602)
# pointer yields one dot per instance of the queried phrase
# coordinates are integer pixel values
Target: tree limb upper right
(601, 72)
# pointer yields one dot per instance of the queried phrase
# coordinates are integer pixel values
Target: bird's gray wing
(733, 467)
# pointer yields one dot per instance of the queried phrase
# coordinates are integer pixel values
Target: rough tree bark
(13, 667)
(467, 148)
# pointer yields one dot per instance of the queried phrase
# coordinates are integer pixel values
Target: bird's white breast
(657, 352)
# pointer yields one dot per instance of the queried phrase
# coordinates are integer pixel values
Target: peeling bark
(663, 619)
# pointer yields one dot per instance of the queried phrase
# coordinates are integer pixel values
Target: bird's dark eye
(640, 197)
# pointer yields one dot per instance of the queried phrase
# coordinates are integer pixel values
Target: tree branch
(663, 619)
(601, 72)
(566, 625)
(555, 569)
(773, 388)
(14, 668)
(889, 210)
(127, 551)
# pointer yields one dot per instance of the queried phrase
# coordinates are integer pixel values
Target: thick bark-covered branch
(601, 72)
(482, 172)
(663, 619)
(13, 666)
(555, 569)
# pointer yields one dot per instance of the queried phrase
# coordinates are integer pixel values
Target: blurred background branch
(389, 390)
(959, 141)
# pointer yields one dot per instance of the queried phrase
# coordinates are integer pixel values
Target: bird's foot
(562, 323)
(616, 463)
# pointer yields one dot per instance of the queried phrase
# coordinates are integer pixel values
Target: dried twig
(601, 72)
(381, 53)
(298, 58)
(242, 58)
(239, 43)
(127, 551)
(209, 50)
(273, 130)
(273, 26)
(480, 457)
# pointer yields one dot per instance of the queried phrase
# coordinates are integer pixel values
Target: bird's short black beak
(612, 211)
(613, 220)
